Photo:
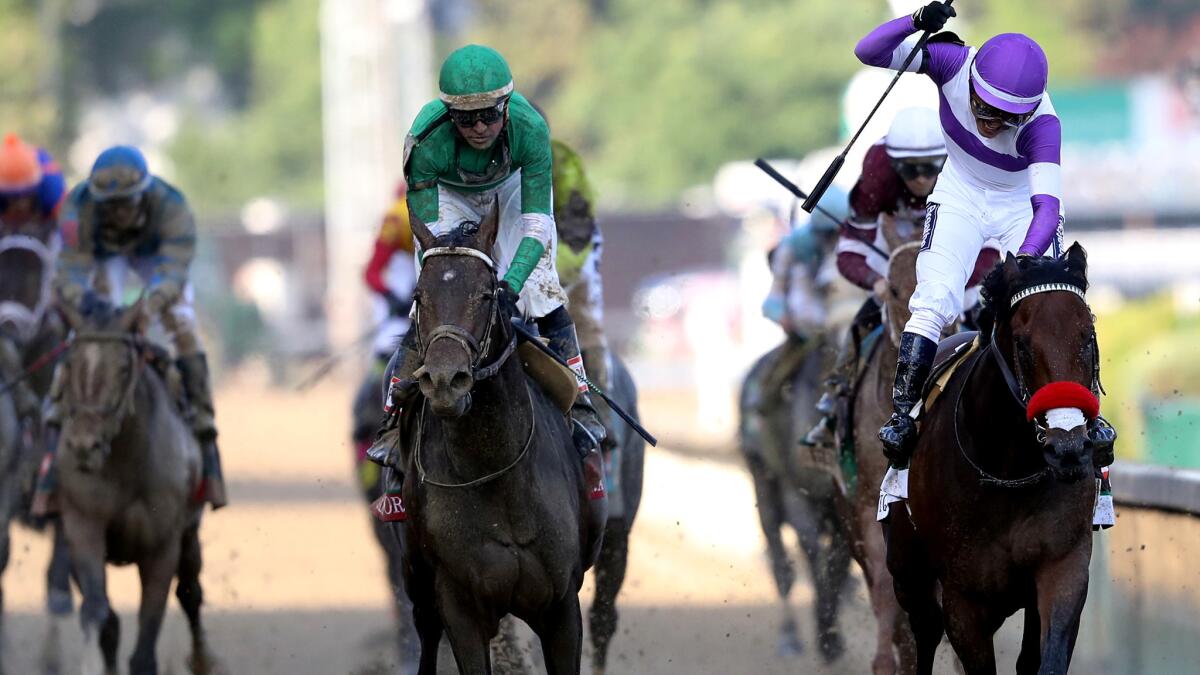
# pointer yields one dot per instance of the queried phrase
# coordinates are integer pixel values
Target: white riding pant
(542, 293)
(959, 219)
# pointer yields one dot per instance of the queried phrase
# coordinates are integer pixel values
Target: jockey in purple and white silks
(1001, 180)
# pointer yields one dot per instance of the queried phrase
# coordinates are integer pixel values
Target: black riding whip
(532, 339)
(836, 165)
(795, 190)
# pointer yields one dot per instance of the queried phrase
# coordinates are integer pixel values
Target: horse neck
(987, 402)
(132, 442)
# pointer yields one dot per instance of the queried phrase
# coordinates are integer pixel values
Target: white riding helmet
(915, 132)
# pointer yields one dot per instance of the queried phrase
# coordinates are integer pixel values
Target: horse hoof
(832, 646)
(790, 647)
(204, 663)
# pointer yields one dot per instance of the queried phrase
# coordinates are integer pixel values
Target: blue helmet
(119, 171)
(835, 202)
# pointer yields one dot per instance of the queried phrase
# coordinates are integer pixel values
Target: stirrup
(820, 433)
(584, 440)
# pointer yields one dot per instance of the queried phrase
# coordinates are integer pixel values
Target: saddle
(952, 352)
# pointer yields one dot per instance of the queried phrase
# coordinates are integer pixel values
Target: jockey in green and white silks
(478, 142)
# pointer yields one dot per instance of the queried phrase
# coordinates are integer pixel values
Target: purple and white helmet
(1009, 72)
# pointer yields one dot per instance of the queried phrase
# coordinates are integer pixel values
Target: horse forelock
(1001, 285)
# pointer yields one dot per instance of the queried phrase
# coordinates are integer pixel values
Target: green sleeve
(529, 251)
(424, 201)
(531, 153)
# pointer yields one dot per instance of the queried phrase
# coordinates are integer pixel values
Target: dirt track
(294, 582)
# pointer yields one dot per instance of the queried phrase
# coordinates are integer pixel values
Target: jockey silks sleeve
(438, 158)
(1025, 158)
(167, 237)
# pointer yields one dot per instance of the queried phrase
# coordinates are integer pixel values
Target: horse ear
(70, 313)
(1076, 258)
(132, 315)
(488, 229)
(424, 237)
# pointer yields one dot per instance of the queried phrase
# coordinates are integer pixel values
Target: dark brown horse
(129, 470)
(1001, 490)
(499, 520)
(870, 408)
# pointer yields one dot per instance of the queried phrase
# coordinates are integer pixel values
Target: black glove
(933, 17)
(397, 306)
(91, 302)
(508, 299)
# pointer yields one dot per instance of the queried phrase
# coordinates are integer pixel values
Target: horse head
(458, 317)
(100, 373)
(902, 282)
(26, 265)
(1045, 335)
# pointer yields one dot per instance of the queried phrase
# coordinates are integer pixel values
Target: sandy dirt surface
(294, 581)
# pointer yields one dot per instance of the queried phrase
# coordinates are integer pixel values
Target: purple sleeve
(1041, 140)
(876, 48)
(1043, 227)
(945, 60)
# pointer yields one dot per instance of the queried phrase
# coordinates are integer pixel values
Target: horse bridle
(1019, 389)
(114, 415)
(476, 349)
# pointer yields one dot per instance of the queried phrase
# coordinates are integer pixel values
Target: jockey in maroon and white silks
(1001, 179)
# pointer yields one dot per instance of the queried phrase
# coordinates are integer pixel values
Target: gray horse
(793, 490)
(129, 470)
(31, 336)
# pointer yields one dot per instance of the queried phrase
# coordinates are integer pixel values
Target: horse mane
(1001, 285)
(462, 236)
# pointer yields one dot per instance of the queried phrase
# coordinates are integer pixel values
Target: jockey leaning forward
(797, 300)
(479, 141)
(391, 275)
(123, 217)
(31, 191)
(898, 174)
(1001, 181)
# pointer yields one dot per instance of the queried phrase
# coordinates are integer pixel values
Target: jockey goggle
(121, 212)
(986, 113)
(467, 118)
(926, 167)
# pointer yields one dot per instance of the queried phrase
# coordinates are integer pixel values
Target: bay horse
(32, 336)
(498, 516)
(789, 494)
(870, 407)
(129, 471)
(1001, 489)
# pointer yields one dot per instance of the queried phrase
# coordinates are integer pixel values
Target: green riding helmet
(474, 77)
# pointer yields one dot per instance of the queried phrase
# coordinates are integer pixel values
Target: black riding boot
(399, 388)
(899, 434)
(1104, 439)
(194, 371)
(588, 432)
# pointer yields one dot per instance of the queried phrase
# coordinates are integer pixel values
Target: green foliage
(273, 147)
(27, 95)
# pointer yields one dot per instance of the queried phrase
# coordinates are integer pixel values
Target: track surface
(294, 581)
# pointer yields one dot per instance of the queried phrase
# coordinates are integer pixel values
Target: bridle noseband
(476, 349)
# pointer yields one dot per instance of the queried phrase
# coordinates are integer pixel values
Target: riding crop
(836, 165)
(532, 339)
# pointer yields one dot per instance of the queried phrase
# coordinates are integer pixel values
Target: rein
(423, 475)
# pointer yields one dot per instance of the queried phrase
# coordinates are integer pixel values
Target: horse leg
(970, 627)
(470, 636)
(560, 629)
(771, 515)
(1030, 658)
(915, 587)
(88, 552)
(829, 559)
(190, 594)
(110, 640)
(888, 624)
(429, 629)
(1061, 591)
(5, 546)
(407, 642)
(609, 575)
(156, 574)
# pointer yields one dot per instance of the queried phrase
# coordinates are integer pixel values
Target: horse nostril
(460, 380)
